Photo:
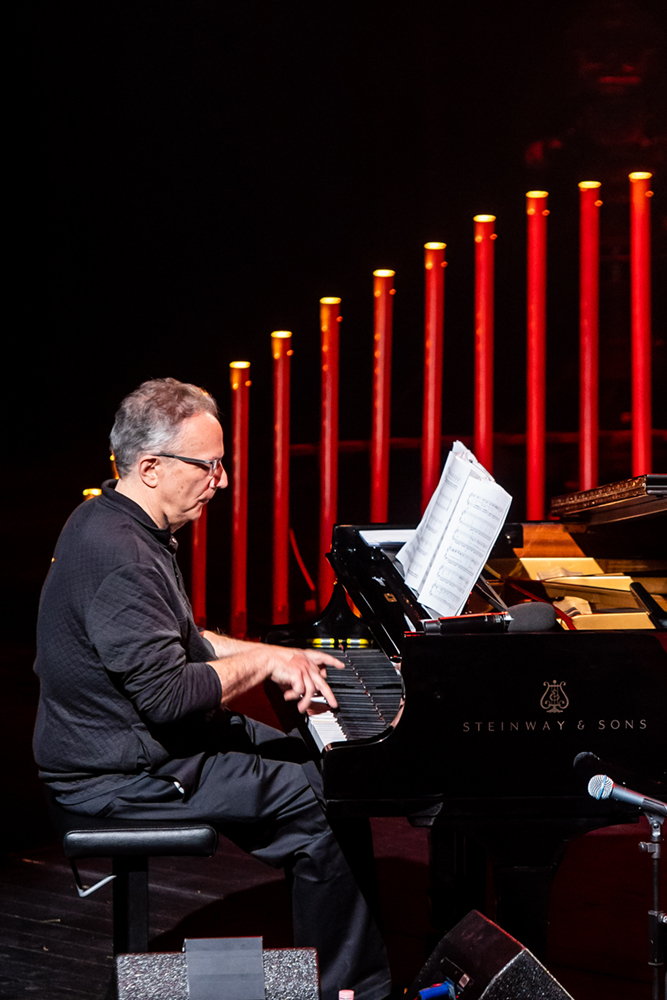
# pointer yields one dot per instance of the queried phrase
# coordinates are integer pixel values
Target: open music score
(452, 542)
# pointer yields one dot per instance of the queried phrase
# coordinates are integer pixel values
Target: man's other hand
(301, 673)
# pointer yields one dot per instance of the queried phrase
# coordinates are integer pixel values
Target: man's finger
(321, 658)
(325, 690)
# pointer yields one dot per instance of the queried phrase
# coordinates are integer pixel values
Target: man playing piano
(133, 719)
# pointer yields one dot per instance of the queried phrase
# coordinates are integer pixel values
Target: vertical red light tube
(238, 373)
(536, 317)
(281, 341)
(383, 292)
(199, 569)
(329, 325)
(484, 271)
(589, 306)
(434, 313)
(640, 291)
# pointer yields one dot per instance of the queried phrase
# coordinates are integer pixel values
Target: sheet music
(465, 546)
(416, 555)
(456, 534)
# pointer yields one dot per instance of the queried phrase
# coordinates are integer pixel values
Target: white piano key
(324, 729)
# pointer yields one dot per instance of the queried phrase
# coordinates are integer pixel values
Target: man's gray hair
(150, 418)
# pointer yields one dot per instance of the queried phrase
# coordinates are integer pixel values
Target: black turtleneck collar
(119, 500)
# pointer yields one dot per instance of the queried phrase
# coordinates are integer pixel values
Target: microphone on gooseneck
(531, 616)
(602, 787)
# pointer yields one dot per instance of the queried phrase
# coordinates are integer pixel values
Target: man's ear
(147, 470)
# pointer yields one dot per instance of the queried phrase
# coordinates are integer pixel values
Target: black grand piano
(474, 733)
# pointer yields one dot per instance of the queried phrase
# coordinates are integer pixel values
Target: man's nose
(220, 480)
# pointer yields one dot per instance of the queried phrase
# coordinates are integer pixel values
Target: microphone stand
(657, 918)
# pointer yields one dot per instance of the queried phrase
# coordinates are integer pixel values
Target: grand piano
(473, 733)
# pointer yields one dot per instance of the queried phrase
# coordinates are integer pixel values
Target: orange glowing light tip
(484, 218)
(587, 185)
(640, 175)
(330, 300)
(281, 334)
(239, 364)
(384, 274)
(537, 194)
(434, 246)
(92, 493)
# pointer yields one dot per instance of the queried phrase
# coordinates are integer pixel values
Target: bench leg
(130, 905)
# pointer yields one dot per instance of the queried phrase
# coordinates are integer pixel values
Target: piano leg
(458, 877)
(526, 858)
(516, 894)
(522, 903)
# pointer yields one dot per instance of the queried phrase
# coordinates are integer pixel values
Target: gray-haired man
(131, 720)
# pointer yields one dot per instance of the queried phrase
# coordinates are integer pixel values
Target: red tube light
(240, 383)
(330, 319)
(198, 564)
(434, 312)
(383, 292)
(589, 304)
(484, 273)
(281, 341)
(537, 212)
(640, 292)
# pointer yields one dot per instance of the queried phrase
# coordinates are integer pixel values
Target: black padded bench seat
(129, 844)
(126, 840)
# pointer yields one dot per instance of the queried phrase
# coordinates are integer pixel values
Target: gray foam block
(289, 974)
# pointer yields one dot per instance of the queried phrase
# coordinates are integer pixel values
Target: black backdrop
(197, 174)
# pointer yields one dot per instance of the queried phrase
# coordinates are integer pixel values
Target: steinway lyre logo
(554, 698)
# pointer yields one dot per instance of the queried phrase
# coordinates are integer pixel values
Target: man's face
(184, 488)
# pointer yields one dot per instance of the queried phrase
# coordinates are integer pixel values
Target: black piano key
(368, 690)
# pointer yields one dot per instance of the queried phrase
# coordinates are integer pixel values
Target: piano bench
(129, 844)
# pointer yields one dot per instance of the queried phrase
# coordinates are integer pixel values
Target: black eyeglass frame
(213, 465)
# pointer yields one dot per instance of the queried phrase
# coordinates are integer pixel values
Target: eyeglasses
(213, 465)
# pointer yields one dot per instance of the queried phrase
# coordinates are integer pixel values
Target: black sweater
(125, 685)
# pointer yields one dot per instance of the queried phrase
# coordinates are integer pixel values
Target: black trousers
(263, 794)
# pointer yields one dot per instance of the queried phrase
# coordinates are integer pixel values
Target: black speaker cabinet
(485, 963)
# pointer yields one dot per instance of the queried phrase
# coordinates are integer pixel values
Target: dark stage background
(199, 174)
(192, 175)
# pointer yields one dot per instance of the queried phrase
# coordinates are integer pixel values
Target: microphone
(531, 616)
(535, 616)
(602, 787)
(587, 764)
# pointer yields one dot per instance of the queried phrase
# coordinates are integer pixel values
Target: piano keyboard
(368, 691)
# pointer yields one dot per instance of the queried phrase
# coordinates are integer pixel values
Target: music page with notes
(452, 542)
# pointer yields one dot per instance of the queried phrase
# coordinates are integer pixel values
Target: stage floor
(53, 944)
